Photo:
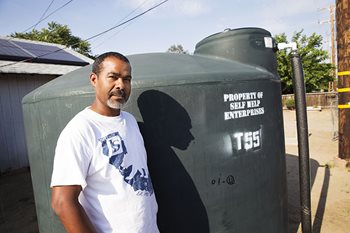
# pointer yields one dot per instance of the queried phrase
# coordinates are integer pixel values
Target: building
(24, 66)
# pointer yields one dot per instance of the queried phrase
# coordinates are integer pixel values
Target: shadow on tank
(166, 124)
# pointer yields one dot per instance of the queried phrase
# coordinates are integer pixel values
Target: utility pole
(343, 45)
(331, 21)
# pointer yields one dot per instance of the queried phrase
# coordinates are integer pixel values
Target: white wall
(13, 87)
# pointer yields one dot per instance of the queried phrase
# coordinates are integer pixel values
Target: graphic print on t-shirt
(114, 148)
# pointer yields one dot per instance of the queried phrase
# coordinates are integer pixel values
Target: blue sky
(183, 22)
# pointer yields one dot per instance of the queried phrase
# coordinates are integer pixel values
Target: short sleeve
(72, 158)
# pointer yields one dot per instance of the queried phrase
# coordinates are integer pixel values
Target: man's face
(112, 84)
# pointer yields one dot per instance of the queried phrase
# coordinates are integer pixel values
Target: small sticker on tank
(268, 42)
(245, 104)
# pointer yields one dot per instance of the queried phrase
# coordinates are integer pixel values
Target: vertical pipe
(303, 142)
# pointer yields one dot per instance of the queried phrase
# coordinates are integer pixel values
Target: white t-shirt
(107, 157)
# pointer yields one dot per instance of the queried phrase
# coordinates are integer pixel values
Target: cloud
(287, 8)
(192, 7)
(175, 7)
(274, 26)
(289, 15)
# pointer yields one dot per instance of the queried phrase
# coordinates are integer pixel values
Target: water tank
(213, 129)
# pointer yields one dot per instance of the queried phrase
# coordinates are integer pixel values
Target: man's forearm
(67, 207)
(74, 219)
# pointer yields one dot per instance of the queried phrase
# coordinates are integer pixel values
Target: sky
(184, 22)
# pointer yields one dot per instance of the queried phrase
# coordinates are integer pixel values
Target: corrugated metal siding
(13, 87)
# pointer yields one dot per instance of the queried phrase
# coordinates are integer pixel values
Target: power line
(42, 16)
(42, 19)
(48, 15)
(99, 34)
(114, 34)
(117, 32)
(127, 21)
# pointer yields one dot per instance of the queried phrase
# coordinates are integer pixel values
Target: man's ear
(93, 79)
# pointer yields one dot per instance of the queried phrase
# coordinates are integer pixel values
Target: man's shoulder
(128, 115)
(79, 121)
(82, 115)
(130, 119)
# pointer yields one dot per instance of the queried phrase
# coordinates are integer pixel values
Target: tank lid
(253, 46)
(228, 32)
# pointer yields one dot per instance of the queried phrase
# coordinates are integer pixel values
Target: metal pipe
(303, 142)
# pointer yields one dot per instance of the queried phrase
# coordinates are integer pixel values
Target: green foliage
(177, 49)
(59, 34)
(317, 71)
(290, 103)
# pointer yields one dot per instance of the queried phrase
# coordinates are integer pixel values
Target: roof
(35, 57)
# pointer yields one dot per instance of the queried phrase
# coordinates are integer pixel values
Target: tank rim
(230, 32)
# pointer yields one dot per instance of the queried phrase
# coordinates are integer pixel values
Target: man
(100, 180)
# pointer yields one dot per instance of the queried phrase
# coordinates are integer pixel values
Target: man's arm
(64, 201)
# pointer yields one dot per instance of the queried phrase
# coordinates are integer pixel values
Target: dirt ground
(330, 179)
(17, 207)
(330, 183)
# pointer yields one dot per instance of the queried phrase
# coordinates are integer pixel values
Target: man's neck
(105, 110)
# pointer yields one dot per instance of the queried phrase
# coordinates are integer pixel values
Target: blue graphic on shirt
(114, 147)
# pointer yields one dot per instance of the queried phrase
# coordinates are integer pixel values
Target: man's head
(111, 77)
(96, 66)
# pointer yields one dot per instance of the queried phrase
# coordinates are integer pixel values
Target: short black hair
(96, 66)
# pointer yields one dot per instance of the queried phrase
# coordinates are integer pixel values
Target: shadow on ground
(17, 207)
(294, 211)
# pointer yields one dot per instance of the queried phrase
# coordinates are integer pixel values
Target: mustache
(118, 93)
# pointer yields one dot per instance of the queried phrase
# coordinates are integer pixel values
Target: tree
(177, 49)
(317, 71)
(59, 34)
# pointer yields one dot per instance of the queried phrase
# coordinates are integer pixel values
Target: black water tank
(213, 129)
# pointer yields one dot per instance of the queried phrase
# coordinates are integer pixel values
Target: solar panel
(40, 53)
(9, 49)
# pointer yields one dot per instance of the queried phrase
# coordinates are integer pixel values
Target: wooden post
(343, 49)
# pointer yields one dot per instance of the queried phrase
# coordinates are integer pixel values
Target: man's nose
(119, 83)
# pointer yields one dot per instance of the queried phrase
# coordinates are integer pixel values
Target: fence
(319, 99)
